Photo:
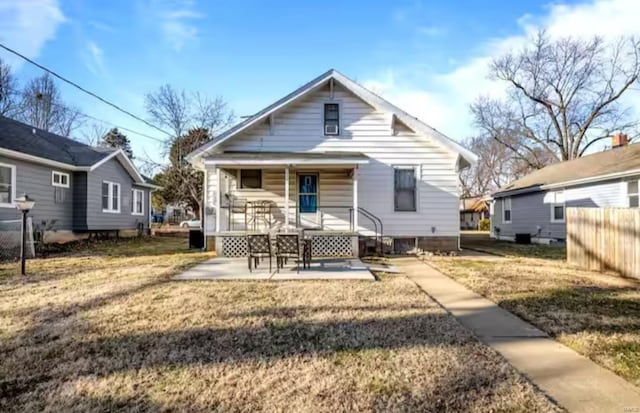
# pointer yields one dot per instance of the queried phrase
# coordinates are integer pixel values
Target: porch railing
(256, 216)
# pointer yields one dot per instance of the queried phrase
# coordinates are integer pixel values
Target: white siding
(298, 128)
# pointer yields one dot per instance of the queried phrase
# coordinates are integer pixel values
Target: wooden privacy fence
(604, 239)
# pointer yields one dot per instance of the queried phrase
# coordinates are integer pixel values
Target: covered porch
(315, 194)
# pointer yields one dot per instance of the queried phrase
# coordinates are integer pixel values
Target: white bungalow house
(336, 159)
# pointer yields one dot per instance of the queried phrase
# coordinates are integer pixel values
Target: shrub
(484, 224)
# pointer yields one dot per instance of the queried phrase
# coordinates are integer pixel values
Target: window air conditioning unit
(330, 129)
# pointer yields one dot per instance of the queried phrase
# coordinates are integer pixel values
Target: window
(60, 179)
(331, 119)
(137, 202)
(110, 197)
(633, 194)
(7, 185)
(308, 193)
(404, 189)
(557, 206)
(506, 210)
(250, 178)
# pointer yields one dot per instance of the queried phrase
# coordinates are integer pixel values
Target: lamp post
(24, 204)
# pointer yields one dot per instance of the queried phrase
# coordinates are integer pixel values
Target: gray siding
(80, 201)
(528, 211)
(113, 171)
(35, 180)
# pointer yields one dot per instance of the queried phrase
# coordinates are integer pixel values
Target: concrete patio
(218, 269)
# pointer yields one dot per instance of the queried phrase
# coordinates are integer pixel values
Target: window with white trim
(137, 202)
(506, 210)
(332, 119)
(7, 185)
(405, 189)
(557, 206)
(60, 179)
(633, 194)
(110, 197)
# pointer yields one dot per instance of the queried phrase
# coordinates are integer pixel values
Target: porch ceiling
(286, 158)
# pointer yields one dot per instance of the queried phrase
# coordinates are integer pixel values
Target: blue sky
(429, 57)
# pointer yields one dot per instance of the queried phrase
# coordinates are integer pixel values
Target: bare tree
(496, 167)
(562, 97)
(8, 91)
(180, 111)
(41, 105)
(170, 109)
(93, 133)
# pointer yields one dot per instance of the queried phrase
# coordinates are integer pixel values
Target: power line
(110, 123)
(113, 105)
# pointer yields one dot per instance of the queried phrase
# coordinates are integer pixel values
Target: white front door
(308, 196)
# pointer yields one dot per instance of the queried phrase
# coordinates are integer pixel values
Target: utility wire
(113, 105)
(135, 132)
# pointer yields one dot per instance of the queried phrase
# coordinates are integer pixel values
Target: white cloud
(442, 99)
(94, 58)
(176, 18)
(27, 25)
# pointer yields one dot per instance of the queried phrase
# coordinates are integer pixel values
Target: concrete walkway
(575, 382)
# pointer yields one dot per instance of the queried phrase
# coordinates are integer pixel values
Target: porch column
(218, 199)
(355, 198)
(286, 198)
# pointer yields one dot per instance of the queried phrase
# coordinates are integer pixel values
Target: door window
(308, 193)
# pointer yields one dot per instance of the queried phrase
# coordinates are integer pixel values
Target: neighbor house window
(404, 189)
(7, 185)
(250, 178)
(331, 119)
(60, 179)
(506, 210)
(633, 194)
(110, 197)
(137, 202)
(557, 206)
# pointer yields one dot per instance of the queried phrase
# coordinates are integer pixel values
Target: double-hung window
(404, 189)
(506, 210)
(137, 202)
(557, 206)
(331, 119)
(110, 197)
(60, 179)
(633, 194)
(7, 185)
(250, 178)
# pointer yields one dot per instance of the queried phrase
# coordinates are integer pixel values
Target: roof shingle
(617, 160)
(20, 137)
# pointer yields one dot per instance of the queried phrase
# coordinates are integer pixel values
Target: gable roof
(20, 137)
(610, 164)
(474, 204)
(355, 88)
(19, 140)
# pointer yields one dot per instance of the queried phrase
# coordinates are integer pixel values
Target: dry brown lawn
(107, 330)
(596, 314)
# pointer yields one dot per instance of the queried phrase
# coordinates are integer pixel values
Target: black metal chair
(287, 246)
(258, 246)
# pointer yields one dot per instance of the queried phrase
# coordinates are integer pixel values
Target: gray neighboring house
(78, 188)
(535, 204)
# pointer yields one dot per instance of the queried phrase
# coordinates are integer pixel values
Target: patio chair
(287, 246)
(258, 246)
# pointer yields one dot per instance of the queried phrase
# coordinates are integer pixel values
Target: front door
(308, 212)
